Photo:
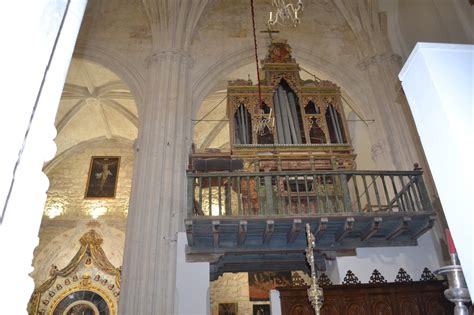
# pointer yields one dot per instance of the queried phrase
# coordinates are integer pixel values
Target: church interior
(200, 149)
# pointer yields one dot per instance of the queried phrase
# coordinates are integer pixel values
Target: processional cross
(270, 32)
(315, 293)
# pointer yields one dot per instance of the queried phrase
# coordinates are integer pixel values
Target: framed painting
(261, 309)
(260, 283)
(102, 177)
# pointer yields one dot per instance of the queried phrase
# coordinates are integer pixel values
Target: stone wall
(234, 288)
(68, 179)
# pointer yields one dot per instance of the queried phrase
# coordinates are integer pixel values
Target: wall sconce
(96, 212)
(54, 211)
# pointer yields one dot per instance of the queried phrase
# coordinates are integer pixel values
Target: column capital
(174, 22)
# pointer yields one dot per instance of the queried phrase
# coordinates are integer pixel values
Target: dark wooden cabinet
(415, 298)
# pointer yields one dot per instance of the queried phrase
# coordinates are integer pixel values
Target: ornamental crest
(279, 52)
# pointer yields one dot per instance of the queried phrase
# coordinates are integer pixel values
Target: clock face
(82, 303)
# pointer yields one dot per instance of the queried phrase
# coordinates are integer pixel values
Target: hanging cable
(196, 121)
(256, 54)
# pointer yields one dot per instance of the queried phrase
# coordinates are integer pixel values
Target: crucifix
(270, 31)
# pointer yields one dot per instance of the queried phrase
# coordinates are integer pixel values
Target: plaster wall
(388, 260)
(234, 288)
(192, 283)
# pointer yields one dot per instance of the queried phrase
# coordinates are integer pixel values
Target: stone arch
(78, 147)
(63, 246)
(354, 85)
(209, 80)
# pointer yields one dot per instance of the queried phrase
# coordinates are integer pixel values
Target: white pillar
(275, 302)
(192, 283)
(158, 197)
(438, 80)
(38, 41)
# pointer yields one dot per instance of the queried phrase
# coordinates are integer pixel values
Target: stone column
(398, 142)
(158, 198)
(396, 123)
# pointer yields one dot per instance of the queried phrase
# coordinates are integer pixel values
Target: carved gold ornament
(90, 253)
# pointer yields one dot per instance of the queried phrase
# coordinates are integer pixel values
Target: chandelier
(286, 13)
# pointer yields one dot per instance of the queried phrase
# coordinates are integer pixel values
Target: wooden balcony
(249, 221)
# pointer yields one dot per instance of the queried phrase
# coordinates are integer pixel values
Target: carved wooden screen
(284, 122)
(414, 298)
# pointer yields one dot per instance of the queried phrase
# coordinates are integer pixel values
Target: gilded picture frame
(261, 309)
(261, 282)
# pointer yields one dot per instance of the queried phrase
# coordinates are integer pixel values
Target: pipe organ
(295, 125)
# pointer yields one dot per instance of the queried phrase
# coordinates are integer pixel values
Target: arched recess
(354, 87)
(352, 82)
(81, 146)
(97, 118)
(60, 249)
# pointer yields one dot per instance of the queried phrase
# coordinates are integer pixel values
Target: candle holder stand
(457, 291)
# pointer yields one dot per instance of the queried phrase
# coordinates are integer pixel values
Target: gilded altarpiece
(89, 284)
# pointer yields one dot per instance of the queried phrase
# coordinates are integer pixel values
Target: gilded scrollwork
(90, 251)
(292, 79)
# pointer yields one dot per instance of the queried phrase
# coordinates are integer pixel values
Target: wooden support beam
(402, 227)
(189, 232)
(346, 229)
(242, 232)
(267, 234)
(215, 232)
(428, 225)
(373, 228)
(321, 229)
(294, 231)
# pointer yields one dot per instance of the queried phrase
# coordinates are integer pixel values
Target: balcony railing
(300, 193)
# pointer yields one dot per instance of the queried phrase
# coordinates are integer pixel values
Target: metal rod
(306, 193)
(369, 206)
(387, 198)
(356, 188)
(374, 180)
(219, 194)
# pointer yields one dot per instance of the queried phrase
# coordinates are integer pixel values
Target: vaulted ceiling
(95, 104)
